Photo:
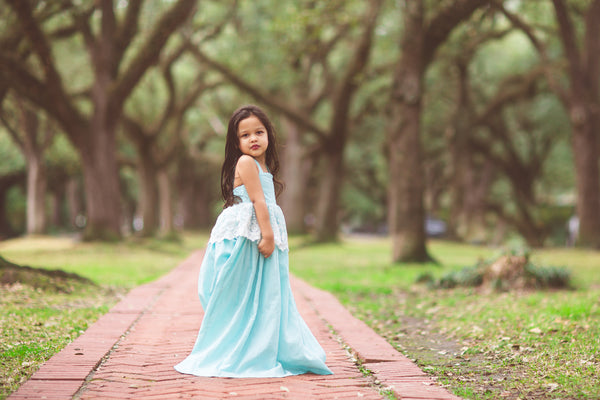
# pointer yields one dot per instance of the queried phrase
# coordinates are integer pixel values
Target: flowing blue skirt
(251, 326)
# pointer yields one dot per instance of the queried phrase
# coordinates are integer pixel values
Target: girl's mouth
(255, 147)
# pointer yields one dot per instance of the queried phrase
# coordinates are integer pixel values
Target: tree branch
(442, 24)
(592, 44)
(361, 54)
(276, 103)
(41, 95)
(217, 28)
(150, 51)
(128, 28)
(513, 88)
(81, 21)
(567, 37)
(11, 130)
(541, 49)
(38, 42)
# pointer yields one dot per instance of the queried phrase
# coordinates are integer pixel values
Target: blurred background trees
(470, 119)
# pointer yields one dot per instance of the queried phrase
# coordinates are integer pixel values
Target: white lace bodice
(240, 220)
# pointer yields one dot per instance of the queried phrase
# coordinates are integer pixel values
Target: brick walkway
(129, 353)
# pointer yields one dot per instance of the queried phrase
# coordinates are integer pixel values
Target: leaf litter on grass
(38, 320)
(36, 323)
(488, 347)
(521, 344)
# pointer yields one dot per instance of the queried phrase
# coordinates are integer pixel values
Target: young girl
(251, 327)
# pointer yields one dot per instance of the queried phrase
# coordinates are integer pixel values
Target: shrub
(510, 271)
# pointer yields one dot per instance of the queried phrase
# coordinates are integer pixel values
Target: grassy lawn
(35, 323)
(534, 345)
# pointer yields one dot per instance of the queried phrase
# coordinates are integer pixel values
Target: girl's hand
(266, 246)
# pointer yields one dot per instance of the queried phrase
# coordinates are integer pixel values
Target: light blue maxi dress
(251, 326)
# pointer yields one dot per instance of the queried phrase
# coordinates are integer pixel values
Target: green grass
(481, 345)
(35, 324)
(128, 263)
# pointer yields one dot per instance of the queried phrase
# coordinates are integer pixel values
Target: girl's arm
(248, 173)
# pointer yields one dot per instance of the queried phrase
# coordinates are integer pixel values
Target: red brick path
(129, 353)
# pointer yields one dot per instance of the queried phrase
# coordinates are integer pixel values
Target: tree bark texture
(585, 150)
(197, 191)
(167, 227)
(478, 184)
(74, 200)
(459, 155)
(583, 105)
(295, 173)
(327, 221)
(36, 173)
(33, 142)
(148, 194)
(36, 196)
(6, 183)
(406, 174)
(102, 191)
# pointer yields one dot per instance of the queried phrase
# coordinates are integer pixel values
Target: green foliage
(10, 154)
(549, 277)
(125, 264)
(269, 43)
(61, 154)
(16, 208)
(535, 276)
(468, 276)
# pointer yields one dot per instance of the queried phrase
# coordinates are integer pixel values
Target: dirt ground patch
(57, 280)
(453, 364)
(466, 364)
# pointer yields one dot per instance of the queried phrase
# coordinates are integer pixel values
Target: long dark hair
(233, 152)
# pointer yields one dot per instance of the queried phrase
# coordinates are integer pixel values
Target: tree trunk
(167, 227)
(406, 174)
(478, 182)
(459, 156)
(327, 207)
(148, 196)
(583, 104)
(295, 176)
(6, 183)
(585, 151)
(36, 196)
(196, 192)
(6, 230)
(101, 182)
(407, 212)
(33, 143)
(57, 201)
(74, 202)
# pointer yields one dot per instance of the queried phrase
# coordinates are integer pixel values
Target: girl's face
(253, 137)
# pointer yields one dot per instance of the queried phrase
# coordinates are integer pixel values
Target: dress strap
(260, 170)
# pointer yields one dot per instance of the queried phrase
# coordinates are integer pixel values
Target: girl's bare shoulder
(246, 163)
